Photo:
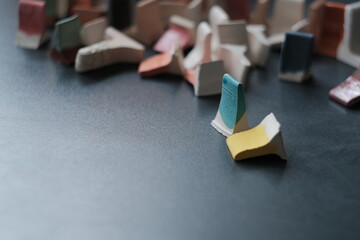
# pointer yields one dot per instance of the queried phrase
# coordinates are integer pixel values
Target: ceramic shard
(217, 16)
(262, 140)
(186, 9)
(202, 50)
(93, 32)
(296, 55)
(66, 40)
(206, 78)
(231, 116)
(116, 48)
(32, 24)
(259, 47)
(283, 21)
(170, 62)
(348, 92)
(326, 20)
(209, 76)
(235, 60)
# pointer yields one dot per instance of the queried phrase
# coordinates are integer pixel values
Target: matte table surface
(108, 155)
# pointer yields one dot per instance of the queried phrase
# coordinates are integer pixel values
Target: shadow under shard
(104, 73)
(272, 166)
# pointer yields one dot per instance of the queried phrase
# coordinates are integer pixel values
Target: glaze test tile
(32, 24)
(206, 78)
(231, 116)
(170, 62)
(115, 48)
(348, 92)
(264, 139)
(296, 54)
(67, 34)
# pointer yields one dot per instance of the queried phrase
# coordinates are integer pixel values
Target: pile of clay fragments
(225, 40)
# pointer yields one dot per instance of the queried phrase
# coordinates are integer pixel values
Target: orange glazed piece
(155, 65)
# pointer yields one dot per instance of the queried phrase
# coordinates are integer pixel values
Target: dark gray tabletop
(108, 155)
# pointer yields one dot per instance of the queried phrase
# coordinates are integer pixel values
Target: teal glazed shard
(67, 34)
(232, 103)
(231, 116)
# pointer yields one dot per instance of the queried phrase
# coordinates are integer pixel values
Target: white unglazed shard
(202, 50)
(233, 36)
(191, 10)
(233, 32)
(275, 40)
(273, 132)
(209, 78)
(259, 47)
(230, 35)
(290, 19)
(235, 60)
(216, 16)
(93, 32)
(286, 14)
(116, 48)
(148, 26)
(349, 48)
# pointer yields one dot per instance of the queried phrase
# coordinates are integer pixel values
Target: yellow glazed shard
(261, 140)
(248, 140)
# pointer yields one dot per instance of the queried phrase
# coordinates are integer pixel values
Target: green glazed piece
(67, 34)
